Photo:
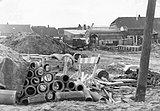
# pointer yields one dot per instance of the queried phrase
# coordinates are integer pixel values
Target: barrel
(7, 97)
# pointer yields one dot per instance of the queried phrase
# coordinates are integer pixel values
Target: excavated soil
(34, 44)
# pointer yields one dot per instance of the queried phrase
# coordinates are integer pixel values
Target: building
(105, 35)
(133, 28)
(45, 31)
(8, 29)
(73, 34)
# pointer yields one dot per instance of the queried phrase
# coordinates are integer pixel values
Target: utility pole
(145, 55)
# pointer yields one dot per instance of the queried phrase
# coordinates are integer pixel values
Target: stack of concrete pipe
(45, 82)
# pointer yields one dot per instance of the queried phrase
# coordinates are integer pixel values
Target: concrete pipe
(39, 72)
(68, 57)
(71, 85)
(48, 77)
(50, 96)
(62, 77)
(30, 91)
(51, 68)
(39, 98)
(79, 86)
(72, 95)
(30, 74)
(24, 101)
(102, 73)
(42, 88)
(7, 97)
(58, 86)
(87, 95)
(35, 64)
(26, 82)
(76, 56)
(56, 56)
(96, 97)
(35, 81)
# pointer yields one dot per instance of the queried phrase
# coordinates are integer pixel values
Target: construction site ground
(152, 102)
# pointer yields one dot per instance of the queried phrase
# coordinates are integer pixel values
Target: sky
(70, 13)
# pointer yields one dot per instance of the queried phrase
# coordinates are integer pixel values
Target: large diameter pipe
(35, 81)
(35, 64)
(50, 96)
(87, 95)
(62, 77)
(48, 77)
(72, 95)
(71, 85)
(30, 74)
(96, 97)
(79, 86)
(7, 97)
(39, 72)
(42, 88)
(58, 86)
(30, 91)
(102, 73)
(39, 98)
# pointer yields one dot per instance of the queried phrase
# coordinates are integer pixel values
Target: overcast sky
(70, 13)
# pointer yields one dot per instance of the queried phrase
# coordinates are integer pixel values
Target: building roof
(134, 23)
(10, 28)
(103, 30)
(76, 32)
(42, 30)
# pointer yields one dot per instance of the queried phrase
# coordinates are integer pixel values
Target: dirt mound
(12, 68)
(35, 44)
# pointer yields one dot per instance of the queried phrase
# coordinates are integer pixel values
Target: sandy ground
(152, 95)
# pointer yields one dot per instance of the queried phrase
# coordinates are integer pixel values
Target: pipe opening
(33, 65)
(39, 71)
(42, 88)
(65, 78)
(51, 96)
(30, 91)
(26, 82)
(35, 81)
(80, 88)
(58, 85)
(71, 85)
(48, 77)
(24, 101)
(30, 74)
